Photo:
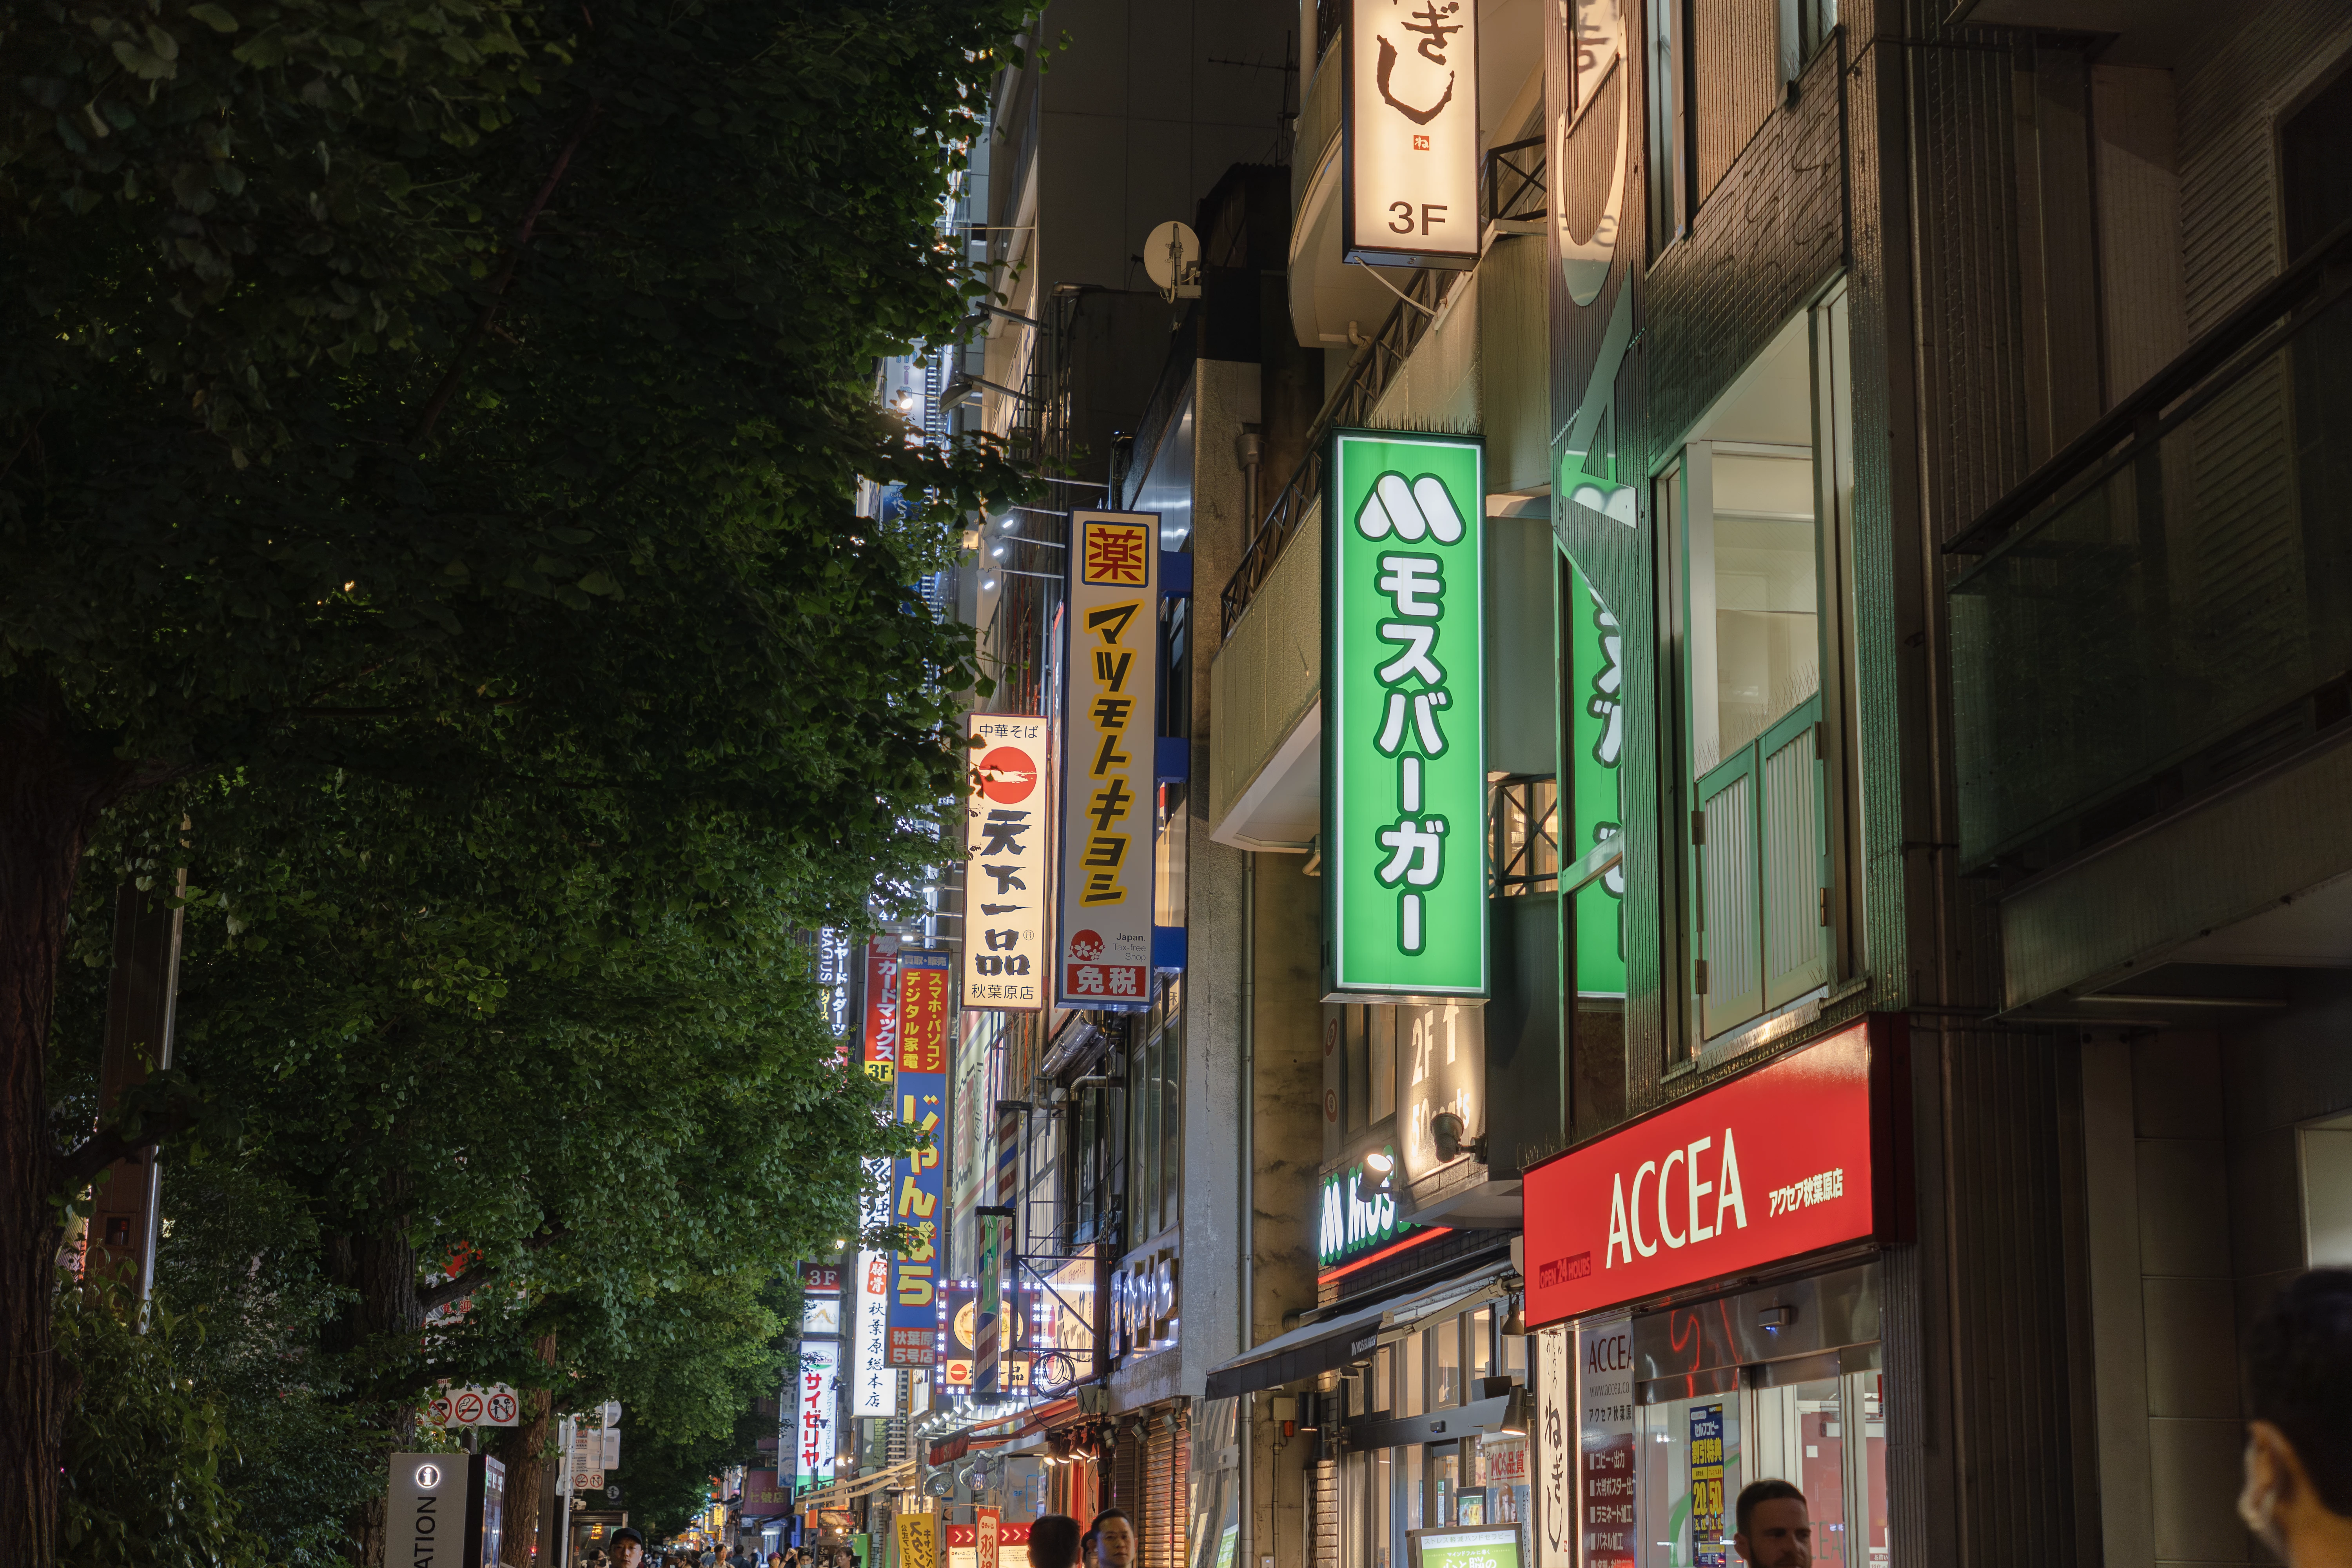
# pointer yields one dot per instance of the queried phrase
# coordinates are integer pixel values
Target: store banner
(1006, 829)
(1772, 1164)
(872, 1387)
(835, 979)
(1404, 772)
(1024, 1310)
(987, 1537)
(817, 1430)
(1408, 124)
(880, 1052)
(1555, 1454)
(922, 1175)
(1604, 1399)
(1102, 955)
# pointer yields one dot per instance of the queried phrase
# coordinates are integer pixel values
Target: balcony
(2164, 609)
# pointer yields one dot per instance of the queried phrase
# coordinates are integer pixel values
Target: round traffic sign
(468, 1407)
(502, 1408)
(441, 1411)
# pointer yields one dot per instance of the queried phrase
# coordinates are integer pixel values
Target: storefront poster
(986, 1524)
(1604, 1399)
(880, 1051)
(1707, 1486)
(1772, 1164)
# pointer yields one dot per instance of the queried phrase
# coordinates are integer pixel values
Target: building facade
(1840, 978)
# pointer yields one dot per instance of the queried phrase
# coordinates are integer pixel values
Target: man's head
(2298, 1490)
(1773, 1529)
(628, 1548)
(1113, 1539)
(1053, 1542)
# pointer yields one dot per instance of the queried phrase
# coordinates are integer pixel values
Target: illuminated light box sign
(1409, 124)
(1782, 1161)
(1102, 955)
(958, 1330)
(1006, 823)
(1404, 772)
(813, 1431)
(1349, 1227)
(1472, 1546)
(920, 1178)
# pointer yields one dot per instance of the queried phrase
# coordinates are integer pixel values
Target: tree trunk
(53, 784)
(524, 1450)
(381, 1267)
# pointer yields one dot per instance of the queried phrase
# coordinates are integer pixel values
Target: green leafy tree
(462, 396)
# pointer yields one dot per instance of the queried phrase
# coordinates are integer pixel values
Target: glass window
(1412, 1362)
(1382, 1395)
(1688, 1471)
(1446, 1363)
(1668, 139)
(1414, 1485)
(1748, 548)
(1800, 1437)
(1381, 1517)
(1515, 1355)
(1482, 1348)
(1445, 1483)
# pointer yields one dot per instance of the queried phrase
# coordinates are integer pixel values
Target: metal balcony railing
(2168, 603)
(1513, 187)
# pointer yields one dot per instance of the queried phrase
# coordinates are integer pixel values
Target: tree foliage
(427, 437)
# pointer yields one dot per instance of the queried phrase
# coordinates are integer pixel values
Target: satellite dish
(1171, 257)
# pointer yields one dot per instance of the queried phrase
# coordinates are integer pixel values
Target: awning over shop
(1314, 1348)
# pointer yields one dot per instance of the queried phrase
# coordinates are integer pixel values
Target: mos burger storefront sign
(1804, 1153)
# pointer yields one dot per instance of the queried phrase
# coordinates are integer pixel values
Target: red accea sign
(1799, 1155)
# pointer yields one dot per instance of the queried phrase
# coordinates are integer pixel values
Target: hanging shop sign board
(919, 1541)
(764, 1497)
(880, 1053)
(834, 980)
(1409, 127)
(920, 1177)
(872, 1387)
(1109, 763)
(1027, 1312)
(1778, 1161)
(1594, 663)
(1005, 831)
(1404, 772)
(816, 1433)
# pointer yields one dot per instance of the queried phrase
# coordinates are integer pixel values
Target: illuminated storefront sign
(872, 1387)
(881, 1049)
(921, 1176)
(1410, 122)
(1006, 823)
(1775, 1163)
(815, 1432)
(1359, 1215)
(834, 976)
(1405, 783)
(1103, 948)
(1596, 673)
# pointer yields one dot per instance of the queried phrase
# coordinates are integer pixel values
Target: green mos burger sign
(1404, 772)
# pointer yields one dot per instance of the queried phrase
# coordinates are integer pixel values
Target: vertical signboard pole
(1102, 955)
(1404, 771)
